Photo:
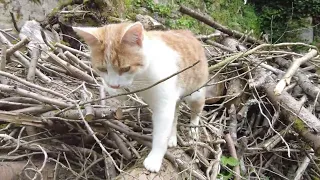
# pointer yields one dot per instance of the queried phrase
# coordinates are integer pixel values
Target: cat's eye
(102, 69)
(125, 69)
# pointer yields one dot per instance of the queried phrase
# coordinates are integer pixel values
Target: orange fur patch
(121, 55)
(191, 51)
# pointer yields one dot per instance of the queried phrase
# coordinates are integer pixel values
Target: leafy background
(280, 19)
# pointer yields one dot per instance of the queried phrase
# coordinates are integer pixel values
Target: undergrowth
(231, 13)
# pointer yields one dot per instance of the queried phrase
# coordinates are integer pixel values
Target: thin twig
(17, 46)
(3, 58)
(14, 22)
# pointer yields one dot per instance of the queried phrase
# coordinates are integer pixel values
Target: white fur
(194, 121)
(160, 62)
(162, 99)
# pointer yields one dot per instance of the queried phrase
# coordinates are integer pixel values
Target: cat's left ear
(88, 34)
(133, 34)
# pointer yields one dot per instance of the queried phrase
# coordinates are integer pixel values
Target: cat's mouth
(114, 86)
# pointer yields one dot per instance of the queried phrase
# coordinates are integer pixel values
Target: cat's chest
(165, 90)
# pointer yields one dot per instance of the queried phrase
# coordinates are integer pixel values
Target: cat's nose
(114, 87)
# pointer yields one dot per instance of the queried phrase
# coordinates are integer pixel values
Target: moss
(65, 43)
(301, 128)
(299, 125)
(64, 3)
(61, 4)
(315, 177)
(90, 22)
(3, 125)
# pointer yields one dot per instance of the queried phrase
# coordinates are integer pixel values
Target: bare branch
(35, 53)
(286, 79)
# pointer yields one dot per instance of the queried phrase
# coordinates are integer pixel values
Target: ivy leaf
(229, 161)
(224, 160)
(233, 161)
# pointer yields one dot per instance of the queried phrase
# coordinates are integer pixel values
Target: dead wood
(75, 51)
(23, 60)
(304, 82)
(293, 69)
(15, 170)
(34, 110)
(207, 20)
(25, 93)
(35, 54)
(3, 58)
(71, 69)
(17, 46)
(80, 128)
(80, 62)
(20, 119)
(89, 111)
(121, 145)
(233, 153)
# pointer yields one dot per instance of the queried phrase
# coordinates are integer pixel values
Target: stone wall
(24, 10)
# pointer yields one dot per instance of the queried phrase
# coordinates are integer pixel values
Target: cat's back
(179, 40)
(184, 43)
(190, 51)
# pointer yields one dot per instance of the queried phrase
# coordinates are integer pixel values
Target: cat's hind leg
(196, 103)
(172, 142)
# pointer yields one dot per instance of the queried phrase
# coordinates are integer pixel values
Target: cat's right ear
(133, 34)
(88, 34)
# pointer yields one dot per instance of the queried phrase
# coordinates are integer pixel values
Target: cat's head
(116, 51)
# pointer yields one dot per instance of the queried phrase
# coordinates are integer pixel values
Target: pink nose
(114, 87)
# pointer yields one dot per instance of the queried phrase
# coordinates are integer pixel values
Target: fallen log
(207, 20)
(304, 122)
(303, 81)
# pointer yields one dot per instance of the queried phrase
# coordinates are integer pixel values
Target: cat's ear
(133, 34)
(88, 34)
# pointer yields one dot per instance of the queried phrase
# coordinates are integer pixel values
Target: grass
(235, 15)
(231, 13)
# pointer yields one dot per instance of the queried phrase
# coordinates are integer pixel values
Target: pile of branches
(260, 121)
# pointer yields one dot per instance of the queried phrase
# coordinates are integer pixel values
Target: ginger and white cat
(125, 55)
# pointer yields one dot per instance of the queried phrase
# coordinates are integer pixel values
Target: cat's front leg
(162, 119)
(172, 142)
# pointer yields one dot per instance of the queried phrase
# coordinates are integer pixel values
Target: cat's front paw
(172, 142)
(152, 163)
(194, 134)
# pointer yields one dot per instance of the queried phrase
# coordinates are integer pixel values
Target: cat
(125, 54)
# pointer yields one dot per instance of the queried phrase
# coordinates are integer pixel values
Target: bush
(281, 18)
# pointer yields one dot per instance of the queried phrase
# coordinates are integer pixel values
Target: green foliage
(282, 18)
(235, 15)
(222, 11)
(228, 161)
(231, 161)
(160, 9)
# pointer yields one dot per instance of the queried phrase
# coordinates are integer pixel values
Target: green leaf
(233, 161)
(224, 160)
(229, 161)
